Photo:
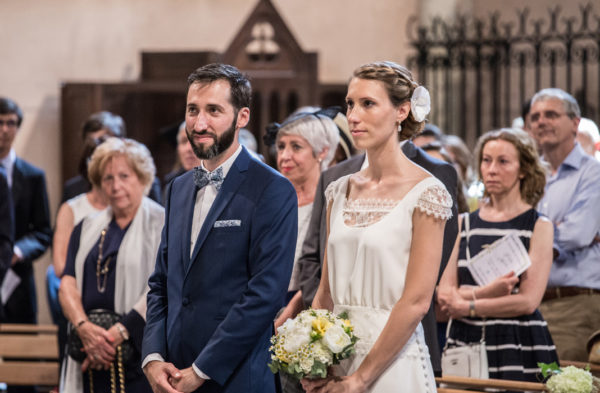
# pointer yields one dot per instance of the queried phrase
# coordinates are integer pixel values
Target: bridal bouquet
(307, 345)
(569, 379)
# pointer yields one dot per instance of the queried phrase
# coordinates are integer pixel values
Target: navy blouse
(91, 297)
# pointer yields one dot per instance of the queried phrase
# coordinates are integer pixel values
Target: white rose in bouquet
(336, 339)
(296, 335)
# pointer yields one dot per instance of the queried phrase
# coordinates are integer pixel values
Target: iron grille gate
(481, 71)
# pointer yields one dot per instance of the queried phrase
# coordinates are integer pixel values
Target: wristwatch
(122, 331)
(472, 312)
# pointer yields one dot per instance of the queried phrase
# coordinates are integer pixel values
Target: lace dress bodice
(434, 200)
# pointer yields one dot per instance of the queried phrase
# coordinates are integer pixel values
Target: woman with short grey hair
(318, 130)
(111, 254)
(306, 143)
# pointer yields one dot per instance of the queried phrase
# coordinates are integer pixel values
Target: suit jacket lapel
(188, 215)
(232, 182)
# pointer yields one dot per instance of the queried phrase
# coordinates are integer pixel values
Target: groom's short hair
(241, 91)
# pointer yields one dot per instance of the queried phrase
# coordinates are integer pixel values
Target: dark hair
(530, 165)
(241, 91)
(104, 120)
(9, 107)
(89, 145)
(399, 84)
(525, 109)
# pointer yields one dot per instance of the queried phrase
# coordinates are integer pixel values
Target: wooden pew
(29, 355)
(594, 368)
(452, 384)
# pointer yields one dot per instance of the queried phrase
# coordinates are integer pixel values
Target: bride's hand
(349, 384)
(314, 385)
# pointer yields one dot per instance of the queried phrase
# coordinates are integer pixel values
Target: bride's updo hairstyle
(399, 84)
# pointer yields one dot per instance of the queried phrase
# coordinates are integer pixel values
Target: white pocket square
(227, 223)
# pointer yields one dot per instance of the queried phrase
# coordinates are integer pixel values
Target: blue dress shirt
(572, 201)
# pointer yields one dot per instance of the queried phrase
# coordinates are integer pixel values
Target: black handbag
(104, 319)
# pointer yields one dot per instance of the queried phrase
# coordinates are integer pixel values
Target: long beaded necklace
(102, 271)
(113, 378)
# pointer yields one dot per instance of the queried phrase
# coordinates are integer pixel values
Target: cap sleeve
(436, 201)
(334, 188)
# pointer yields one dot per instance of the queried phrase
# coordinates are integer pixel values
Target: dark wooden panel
(176, 66)
(146, 108)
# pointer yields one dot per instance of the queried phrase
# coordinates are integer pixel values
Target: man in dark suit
(32, 219)
(314, 245)
(226, 253)
(7, 228)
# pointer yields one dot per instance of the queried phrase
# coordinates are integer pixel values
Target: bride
(385, 233)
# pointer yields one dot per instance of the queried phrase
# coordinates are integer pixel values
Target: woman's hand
(350, 384)
(444, 297)
(93, 364)
(116, 336)
(97, 343)
(315, 385)
(502, 286)
(452, 304)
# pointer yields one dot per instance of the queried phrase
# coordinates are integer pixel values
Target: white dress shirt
(8, 163)
(204, 200)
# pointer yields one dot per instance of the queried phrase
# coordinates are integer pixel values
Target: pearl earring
(399, 127)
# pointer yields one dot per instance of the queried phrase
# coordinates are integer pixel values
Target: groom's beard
(219, 145)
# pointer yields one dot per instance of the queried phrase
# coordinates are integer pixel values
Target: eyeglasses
(8, 123)
(550, 115)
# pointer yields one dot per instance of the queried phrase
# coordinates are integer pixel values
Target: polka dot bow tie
(202, 177)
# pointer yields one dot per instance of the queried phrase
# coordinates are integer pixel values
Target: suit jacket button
(186, 301)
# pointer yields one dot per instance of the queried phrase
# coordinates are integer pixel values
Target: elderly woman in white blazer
(110, 257)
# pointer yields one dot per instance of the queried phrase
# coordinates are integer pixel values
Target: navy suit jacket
(7, 229)
(216, 309)
(32, 235)
(314, 245)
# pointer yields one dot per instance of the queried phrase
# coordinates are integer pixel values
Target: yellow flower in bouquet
(320, 326)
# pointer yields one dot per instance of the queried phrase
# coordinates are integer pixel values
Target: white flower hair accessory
(420, 103)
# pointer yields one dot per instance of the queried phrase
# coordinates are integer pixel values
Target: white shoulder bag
(468, 360)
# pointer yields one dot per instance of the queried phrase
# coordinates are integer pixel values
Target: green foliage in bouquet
(307, 345)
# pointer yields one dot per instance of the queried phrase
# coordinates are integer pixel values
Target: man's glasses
(8, 123)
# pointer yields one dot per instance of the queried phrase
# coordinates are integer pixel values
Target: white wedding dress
(367, 257)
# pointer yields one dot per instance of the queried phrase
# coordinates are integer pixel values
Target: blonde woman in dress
(385, 233)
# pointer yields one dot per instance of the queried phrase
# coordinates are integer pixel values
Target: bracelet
(122, 331)
(80, 323)
(472, 312)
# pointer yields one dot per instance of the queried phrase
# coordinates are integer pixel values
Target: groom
(226, 253)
